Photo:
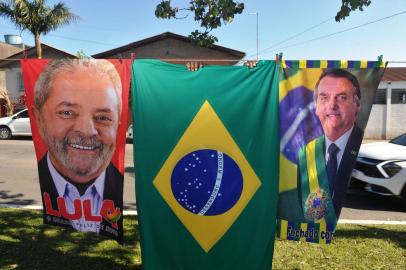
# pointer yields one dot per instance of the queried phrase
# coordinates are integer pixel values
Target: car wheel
(5, 133)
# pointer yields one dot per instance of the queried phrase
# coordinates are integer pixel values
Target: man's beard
(81, 165)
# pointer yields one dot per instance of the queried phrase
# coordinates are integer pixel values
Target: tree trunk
(38, 46)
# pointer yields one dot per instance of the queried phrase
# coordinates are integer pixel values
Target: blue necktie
(332, 166)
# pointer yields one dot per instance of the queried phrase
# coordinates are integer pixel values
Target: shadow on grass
(8, 198)
(360, 231)
(28, 244)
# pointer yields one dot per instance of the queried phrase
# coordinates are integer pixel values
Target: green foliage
(82, 55)
(211, 14)
(202, 39)
(36, 17)
(165, 11)
(350, 5)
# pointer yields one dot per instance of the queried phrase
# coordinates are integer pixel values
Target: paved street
(19, 185)
(19, 176)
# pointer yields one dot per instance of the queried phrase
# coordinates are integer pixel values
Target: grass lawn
(27, 244)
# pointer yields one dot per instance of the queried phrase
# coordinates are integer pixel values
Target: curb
(135, 213)
(371, 222)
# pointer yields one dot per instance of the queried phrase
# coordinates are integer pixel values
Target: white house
(388, 116)
(11, 70)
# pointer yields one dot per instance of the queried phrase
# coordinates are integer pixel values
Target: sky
(105, 25)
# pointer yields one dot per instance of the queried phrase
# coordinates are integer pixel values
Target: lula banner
(324, 107)
(206, 156)
(78, 115)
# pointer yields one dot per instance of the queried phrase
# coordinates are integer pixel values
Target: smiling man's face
(79, 122)
(336, 106)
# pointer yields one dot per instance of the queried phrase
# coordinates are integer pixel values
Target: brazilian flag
(206, 151)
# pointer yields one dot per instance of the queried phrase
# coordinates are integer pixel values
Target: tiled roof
(165, 35)
(394, 74)
(31, 53)
(6, 50)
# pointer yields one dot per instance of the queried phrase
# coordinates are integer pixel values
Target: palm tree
(36, 17)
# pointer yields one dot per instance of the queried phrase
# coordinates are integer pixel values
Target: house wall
(6, 50)
(387, 121)
(13, 76)
(398, 120)
(376, 127)
(172, 48)
(2, 79)
(379, 128)
(14, 84)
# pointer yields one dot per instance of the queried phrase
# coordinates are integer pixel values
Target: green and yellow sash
(316, 201)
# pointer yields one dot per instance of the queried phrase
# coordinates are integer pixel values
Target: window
(401, 140)
(20, 82)
(24, 114)
(380, 97)
(398, 96)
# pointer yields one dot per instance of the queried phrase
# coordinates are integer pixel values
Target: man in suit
(324, 164)
(77, 110)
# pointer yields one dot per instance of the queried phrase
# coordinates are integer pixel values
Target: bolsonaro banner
(324, 107)
(78, 114)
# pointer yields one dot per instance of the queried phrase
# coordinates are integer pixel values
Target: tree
(36, 17)
(211, 14)
(82, 55)
(350, 5)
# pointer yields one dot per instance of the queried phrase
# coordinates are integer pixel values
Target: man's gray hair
(46, 80)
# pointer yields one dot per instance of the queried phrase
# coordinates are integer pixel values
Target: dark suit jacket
(113, 190)
(344, 170)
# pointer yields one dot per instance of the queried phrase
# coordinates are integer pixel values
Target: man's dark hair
(340, 73)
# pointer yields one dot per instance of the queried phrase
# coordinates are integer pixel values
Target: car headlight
(391, 169)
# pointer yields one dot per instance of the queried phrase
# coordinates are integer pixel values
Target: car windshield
(401, 140)
(23, 114)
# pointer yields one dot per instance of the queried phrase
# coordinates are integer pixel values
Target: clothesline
(161, 59)
(193, 59)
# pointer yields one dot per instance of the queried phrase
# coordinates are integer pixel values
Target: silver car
(15, 125)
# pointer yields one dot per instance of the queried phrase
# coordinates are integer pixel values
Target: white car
(381, 166)
(15, 125)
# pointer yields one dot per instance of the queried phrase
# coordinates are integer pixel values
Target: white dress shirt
(341, 143)
(94, 193)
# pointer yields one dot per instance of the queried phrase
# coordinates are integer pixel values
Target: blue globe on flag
(298, 121)
(207, 182)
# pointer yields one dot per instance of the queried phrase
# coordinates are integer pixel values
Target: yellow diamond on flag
(206, 180)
